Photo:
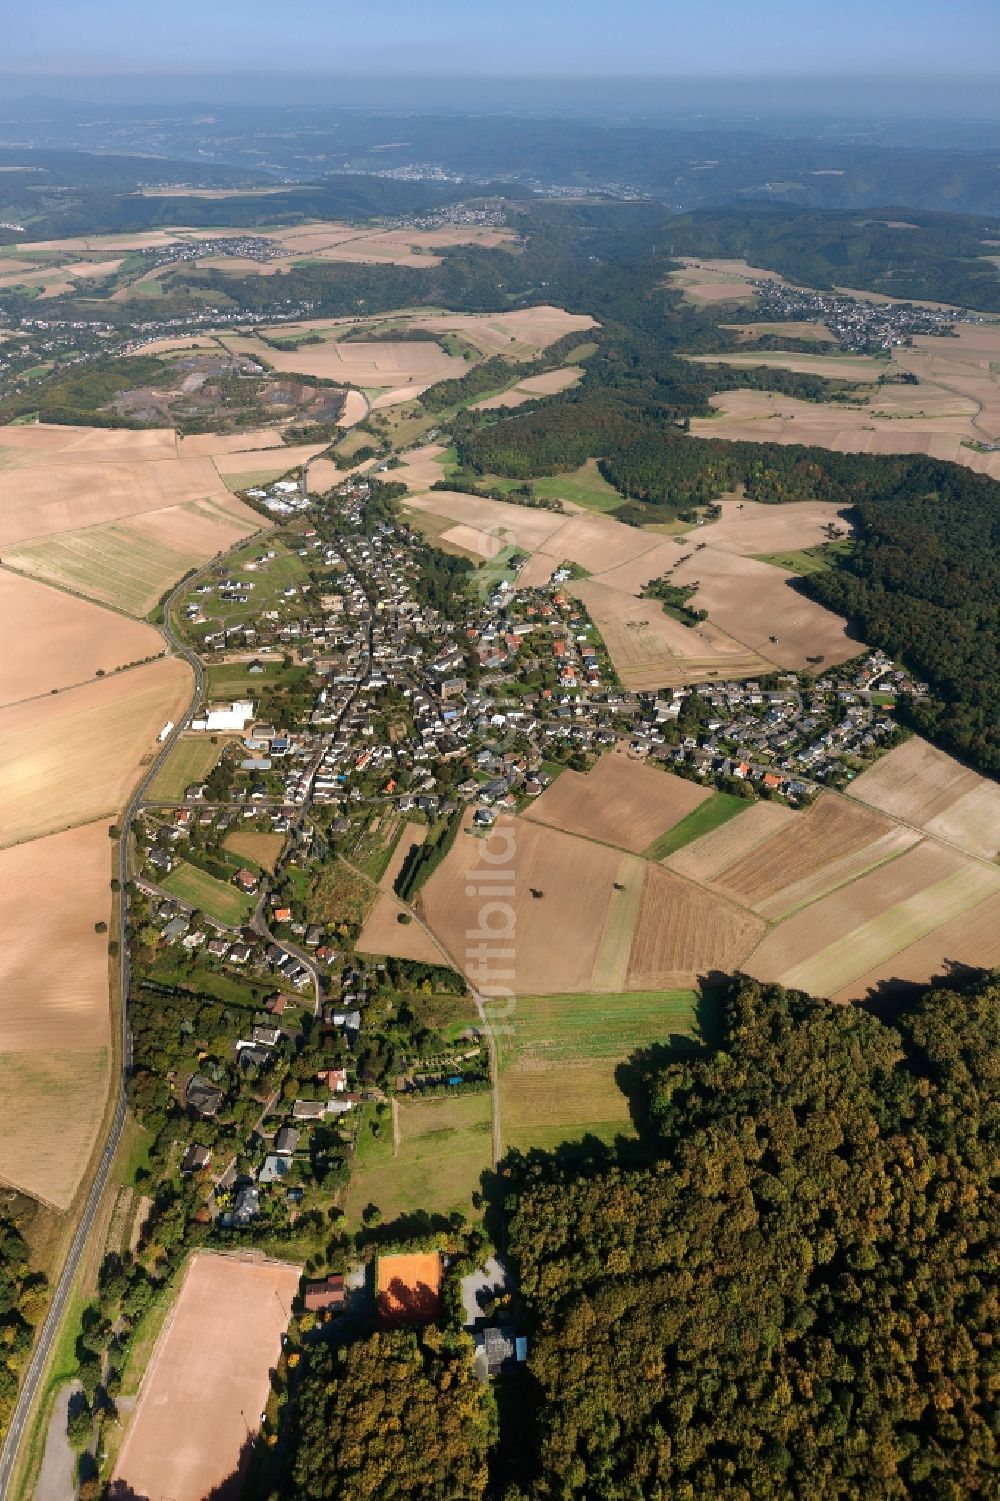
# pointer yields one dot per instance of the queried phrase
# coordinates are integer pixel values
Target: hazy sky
(512, 37)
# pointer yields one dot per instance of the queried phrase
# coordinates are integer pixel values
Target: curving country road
(32, 1378)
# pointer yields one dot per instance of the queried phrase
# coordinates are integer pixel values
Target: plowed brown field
(685, 934)
(833, 842)
(620, 801)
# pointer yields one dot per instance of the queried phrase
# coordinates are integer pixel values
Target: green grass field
(215, 898)
(273, 576)
(711, 814)
(444, 1148)
(585, 485)
(809, 559)
(580, 352)
(235, 680)
(558, 1063)
(191, 759)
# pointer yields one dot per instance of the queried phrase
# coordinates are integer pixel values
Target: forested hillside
(801, 1283)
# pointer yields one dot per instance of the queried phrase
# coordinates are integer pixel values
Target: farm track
(33, 1377)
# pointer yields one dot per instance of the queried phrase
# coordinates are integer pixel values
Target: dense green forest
(394, 1415)
(22, 1303)
(796, 1295)
(925, 585)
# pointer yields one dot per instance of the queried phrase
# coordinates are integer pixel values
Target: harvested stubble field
(71, 757)
(445, 1146)
(832, 843)
(568, 935)
(747, 332)
(620, 802)
(763, 417)
(531, 388)
(854, 368)
(706, 282)
(685, 934)
(750, 528)
(131, 563)
(923, 786)
(963, 944)
(55, 1026)
(560, 1058)
(376, 363)
(755, 601)
(208, 1380)
(861, 926)
(190, 761)
(707, 857)
(61, 640)
(43, 500)
(650, 649)
(525, 528)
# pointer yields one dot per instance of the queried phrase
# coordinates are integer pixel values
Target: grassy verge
(709, 815)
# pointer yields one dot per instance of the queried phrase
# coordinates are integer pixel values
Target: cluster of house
(858, 327)
(788, 739)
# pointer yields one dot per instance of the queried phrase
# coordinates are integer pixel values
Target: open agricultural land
(618, 802)
(757, 617)
(208, 1380)
(561, 1058)
(113, 514)
(923, 787)
(941, 397)
(432, 1158)
(69, 640)
(707, 283)
(55, 1024)
(71, 757)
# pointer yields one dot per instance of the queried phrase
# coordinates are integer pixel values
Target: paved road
(35, 1371)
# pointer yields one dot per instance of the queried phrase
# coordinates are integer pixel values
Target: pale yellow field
(529, 389)
(706, 282)
(762, 417)
(70, 757)
(61, 640)
(388, 363)
(42, 500)
(826, 946)
(131, 563)
(271, 460)
(54, 1009)
(789, 330)
(926, 787)
(754, 602)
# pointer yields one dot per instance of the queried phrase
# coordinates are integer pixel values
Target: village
(364, 705)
